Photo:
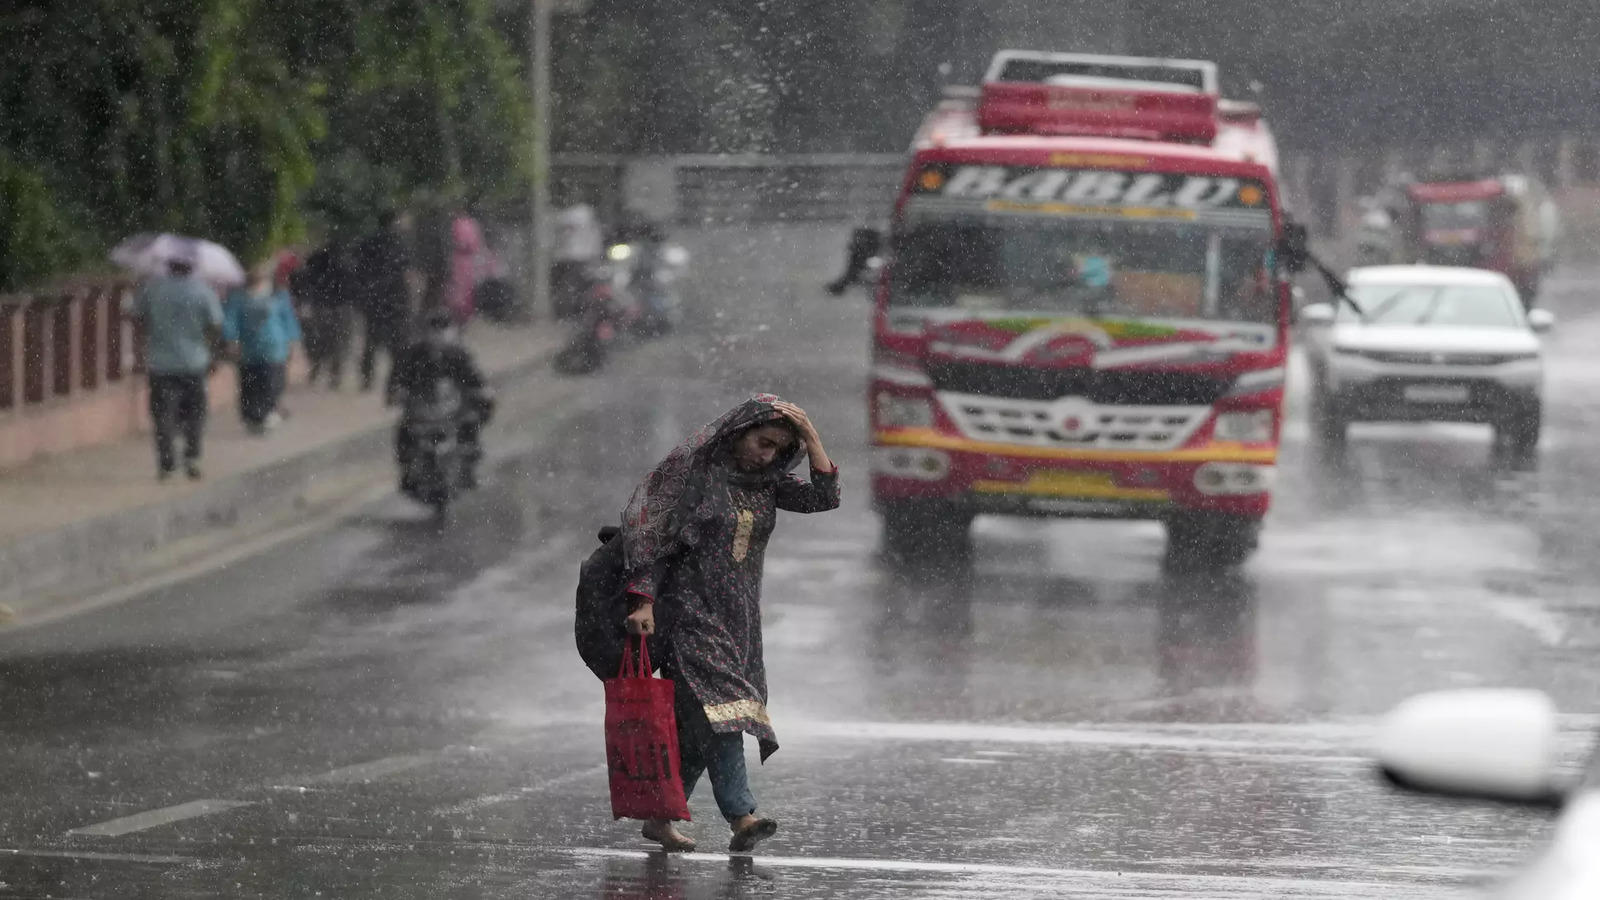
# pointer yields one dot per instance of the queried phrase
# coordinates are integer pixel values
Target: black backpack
(603, 603)
(602, 607)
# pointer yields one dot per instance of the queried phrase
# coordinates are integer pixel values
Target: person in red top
(694, 538)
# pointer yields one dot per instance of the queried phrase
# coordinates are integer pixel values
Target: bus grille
(1073, 422)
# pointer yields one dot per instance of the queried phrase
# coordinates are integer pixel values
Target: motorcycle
(602, 320)
(653, 269)
(631, 294)
(431, 472)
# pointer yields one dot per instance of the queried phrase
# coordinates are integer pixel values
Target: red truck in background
(1506, 223)
(1084, 309)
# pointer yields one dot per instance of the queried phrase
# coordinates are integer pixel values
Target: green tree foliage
(253, 122)
(35, 238)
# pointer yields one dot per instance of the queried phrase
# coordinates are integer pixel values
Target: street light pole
(539, 73)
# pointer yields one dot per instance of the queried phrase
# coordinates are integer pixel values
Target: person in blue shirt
(180, 317)
(260, 327)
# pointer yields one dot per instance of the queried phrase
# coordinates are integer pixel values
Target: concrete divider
(56, 568)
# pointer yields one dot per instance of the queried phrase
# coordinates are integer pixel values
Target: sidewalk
(80, 520)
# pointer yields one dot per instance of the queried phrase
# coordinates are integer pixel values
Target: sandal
(669, 838)
(745, 839)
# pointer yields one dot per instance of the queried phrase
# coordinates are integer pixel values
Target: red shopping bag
(642, 742)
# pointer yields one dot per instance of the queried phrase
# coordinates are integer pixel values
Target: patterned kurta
(708, 598)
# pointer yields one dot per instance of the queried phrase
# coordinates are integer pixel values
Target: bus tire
(925, 530)
(1210, 542)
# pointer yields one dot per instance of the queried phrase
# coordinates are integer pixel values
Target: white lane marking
(488, 800)
(360, 772)
(1251, 885)
(1357, 863)
(98, 857)
(1019, 734)
(157, 817)
(969, 761)
(1297, 758)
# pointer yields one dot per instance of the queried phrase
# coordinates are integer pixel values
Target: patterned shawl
(661, 515)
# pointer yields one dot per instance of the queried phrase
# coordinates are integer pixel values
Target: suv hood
(1435, 338)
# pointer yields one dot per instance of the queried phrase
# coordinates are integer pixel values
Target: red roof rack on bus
(1028, 92)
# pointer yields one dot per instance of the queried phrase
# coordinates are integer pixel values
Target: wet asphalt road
(379, 710)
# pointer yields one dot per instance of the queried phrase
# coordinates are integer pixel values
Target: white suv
(1427, 344)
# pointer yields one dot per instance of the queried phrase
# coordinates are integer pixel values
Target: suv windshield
(1460, 305)
(1077, 267)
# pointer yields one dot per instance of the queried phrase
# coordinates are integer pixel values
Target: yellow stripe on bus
(1218, 452)
(1086, 485)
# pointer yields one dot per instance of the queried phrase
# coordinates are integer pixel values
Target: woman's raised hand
(808, 431)
(808, 434)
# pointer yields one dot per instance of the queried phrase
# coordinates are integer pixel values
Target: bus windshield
(1085, 267)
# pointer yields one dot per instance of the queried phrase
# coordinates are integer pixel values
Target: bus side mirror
(866, 241)
(1479, 743)
(1294, 247)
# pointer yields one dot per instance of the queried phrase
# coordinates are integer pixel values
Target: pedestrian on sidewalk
(694, 538)
(471, 261)
(261, 329)
(382, 295)
(326, 291)
(182, 321)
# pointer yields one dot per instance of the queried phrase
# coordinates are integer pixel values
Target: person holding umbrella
(182, 321)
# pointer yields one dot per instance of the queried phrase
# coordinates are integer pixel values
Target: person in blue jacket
(260, 326)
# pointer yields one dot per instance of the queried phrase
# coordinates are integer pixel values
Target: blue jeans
(702, 750)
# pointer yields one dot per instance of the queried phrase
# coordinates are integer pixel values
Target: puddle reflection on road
(662, 876)
(944, 623)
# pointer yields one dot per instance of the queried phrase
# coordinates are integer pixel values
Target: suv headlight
(1245, 427)
(903, 411)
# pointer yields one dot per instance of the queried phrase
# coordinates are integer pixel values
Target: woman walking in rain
(694, 537)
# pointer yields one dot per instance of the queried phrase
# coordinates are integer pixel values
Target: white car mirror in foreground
(1541, 320)
(1490, 743)
(1316, 314)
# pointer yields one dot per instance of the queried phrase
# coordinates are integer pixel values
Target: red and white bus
(1085, 308)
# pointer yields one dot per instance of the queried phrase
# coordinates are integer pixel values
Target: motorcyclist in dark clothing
(438, 354)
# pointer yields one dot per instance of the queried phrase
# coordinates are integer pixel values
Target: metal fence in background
(1322, 186)
(712, 190)
(728, 190)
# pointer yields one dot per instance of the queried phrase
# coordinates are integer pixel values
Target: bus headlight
(1223, 479)
(1245, 427)
(904, 411)
(911, 462)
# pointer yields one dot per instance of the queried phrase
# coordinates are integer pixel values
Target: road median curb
(40, 573)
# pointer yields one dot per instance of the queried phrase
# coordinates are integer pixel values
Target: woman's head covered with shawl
(661, 514)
